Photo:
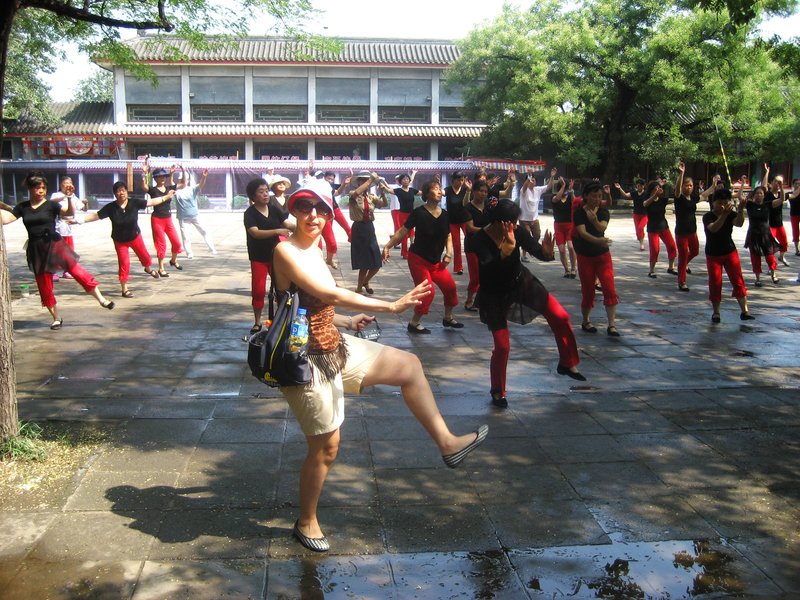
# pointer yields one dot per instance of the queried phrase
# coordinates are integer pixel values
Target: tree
(98, 87)
(607, 84)
(38, 29)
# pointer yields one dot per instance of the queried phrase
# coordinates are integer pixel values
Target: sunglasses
(305, 206)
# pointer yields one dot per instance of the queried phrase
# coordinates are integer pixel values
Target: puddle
(622, 571)
(618, 571)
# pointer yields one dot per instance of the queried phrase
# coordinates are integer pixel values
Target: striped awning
(502, 164)
(280, 166)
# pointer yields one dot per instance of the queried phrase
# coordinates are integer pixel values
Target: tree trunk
(615, 133)
(9, 424)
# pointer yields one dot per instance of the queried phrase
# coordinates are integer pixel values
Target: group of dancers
(50, 249)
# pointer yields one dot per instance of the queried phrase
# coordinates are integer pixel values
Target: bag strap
(273, 293)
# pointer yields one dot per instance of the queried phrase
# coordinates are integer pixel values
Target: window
(344, 150)
(222, 149)
(138, 149)
(146, 103)
(404, 100)
(282, 113)
(101, 184)
(216, 99)
(404, 114)
(148, 113)
(217, 113)
(451, 114)
(342, 100)
(280, 150)
(403, 150)
(453, 150)
(451, 103)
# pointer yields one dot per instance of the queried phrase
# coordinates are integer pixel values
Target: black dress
(509, 291)
(759, 239)
(46, 251)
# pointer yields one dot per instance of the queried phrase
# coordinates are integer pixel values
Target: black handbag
(268, 353)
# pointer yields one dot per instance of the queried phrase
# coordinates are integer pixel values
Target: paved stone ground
(672, 472)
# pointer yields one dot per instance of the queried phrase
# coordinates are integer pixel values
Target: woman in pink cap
(343, 363)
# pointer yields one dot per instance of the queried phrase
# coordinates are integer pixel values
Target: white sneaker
(190, 256)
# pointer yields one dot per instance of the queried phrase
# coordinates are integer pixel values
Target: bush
(240, 202)
(203, 202)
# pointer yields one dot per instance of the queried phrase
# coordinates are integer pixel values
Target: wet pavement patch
(666, 569)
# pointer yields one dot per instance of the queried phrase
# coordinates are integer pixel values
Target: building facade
(257, 104)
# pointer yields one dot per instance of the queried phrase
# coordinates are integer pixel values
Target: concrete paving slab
(201, 580)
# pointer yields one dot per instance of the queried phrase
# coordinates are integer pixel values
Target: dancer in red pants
(429, 256)
(686, 201)
(594, 258)
(509, 292)
(46, 251)
(721, 253)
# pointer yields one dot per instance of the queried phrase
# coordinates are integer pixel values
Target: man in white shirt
(67, 197)
(529, 198)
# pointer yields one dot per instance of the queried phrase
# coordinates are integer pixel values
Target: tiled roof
(76, 117)
(273, 50)
(96, 118)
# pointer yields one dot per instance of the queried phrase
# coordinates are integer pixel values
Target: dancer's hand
(360, 321)
(548, 244)
(509, 241)
(412, 298)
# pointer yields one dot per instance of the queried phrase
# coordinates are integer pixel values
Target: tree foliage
(607, 84)
(98, 87)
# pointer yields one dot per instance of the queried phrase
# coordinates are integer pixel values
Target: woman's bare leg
(403, 369)
(322, 451)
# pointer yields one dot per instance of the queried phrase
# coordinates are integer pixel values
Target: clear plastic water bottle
(298, 334)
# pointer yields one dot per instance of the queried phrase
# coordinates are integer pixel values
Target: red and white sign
(79, 146)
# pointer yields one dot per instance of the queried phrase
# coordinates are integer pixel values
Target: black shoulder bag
(268, 350)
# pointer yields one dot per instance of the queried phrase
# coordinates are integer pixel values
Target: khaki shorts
(319, 405)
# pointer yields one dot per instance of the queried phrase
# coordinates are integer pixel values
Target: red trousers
(455, 233)
(330, 239)
(258, 282)
(399, 219)
(562, 233)
(639, 223)
(653, 238)
(558, 320)
(779, 233)
(688, 248)
(755, 259)
(421, 270)
(339, 217)
(164, 228)
(124, 259)
(45, 284)
(733, 267)
(795, 219)
(591, 269)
